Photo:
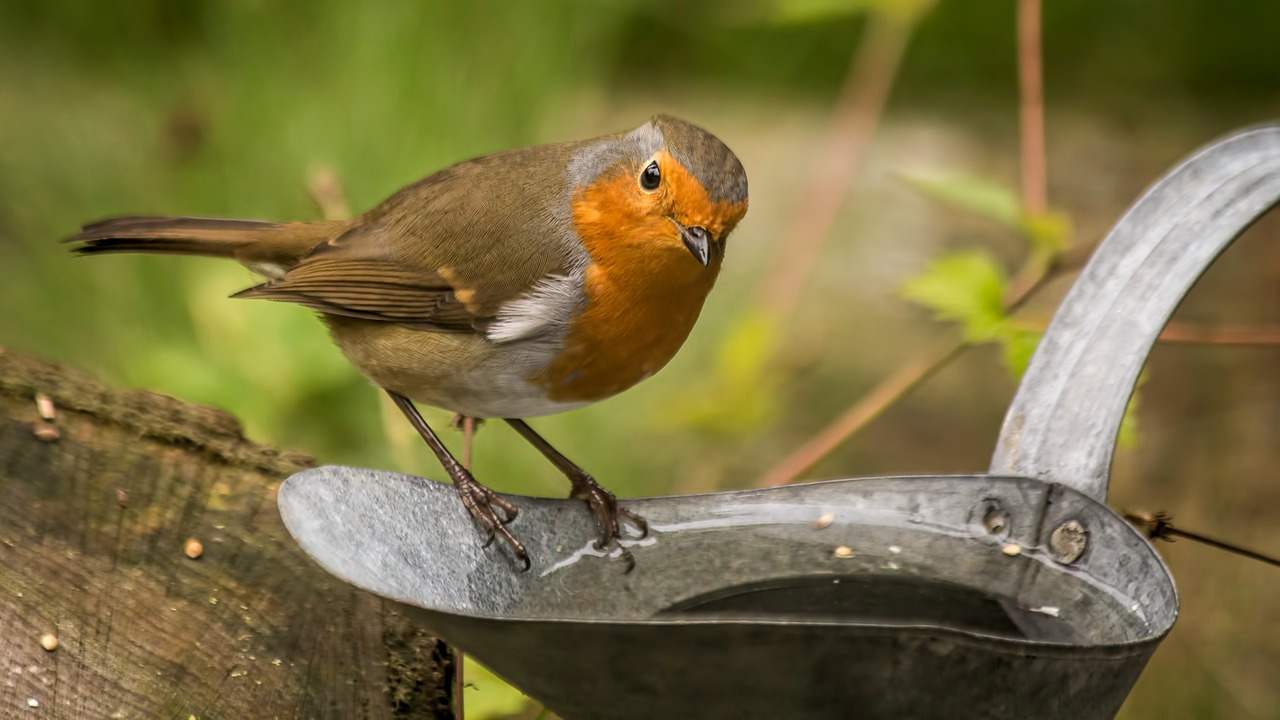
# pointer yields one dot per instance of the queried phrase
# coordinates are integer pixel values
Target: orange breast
(643, 289)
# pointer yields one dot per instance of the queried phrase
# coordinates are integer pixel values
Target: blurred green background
(228, 108)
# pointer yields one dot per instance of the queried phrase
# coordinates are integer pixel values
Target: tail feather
(255, 243)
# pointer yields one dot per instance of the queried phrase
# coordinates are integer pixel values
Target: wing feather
(451, 251)
(371, 290)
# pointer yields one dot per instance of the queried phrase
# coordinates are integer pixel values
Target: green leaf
(804, 11)
(743, 394)
(1016, 348)
(965, 287)
(787, 12)
(1048, 233)
(1127, 437)
(973, 194)
(488, 696)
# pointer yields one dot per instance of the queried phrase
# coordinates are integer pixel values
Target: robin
(518, 284)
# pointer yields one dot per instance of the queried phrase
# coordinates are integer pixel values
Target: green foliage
(1128, 435)
(1047, 234)
(738, 392)
(813, 11)
(972, 194)
(1017, 348)
(964, 287)
(487, 696)
(969, 287)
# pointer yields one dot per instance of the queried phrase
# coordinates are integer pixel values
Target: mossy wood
(94, 528)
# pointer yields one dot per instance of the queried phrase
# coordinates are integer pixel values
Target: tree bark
(94, 528)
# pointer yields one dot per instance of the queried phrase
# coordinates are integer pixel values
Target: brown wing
(447, 252)
(371, 290)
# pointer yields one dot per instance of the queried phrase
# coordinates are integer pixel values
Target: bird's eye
(651, 177)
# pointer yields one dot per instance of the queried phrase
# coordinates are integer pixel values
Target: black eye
(651, 176)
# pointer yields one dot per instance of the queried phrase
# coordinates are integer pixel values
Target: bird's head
(667, 191)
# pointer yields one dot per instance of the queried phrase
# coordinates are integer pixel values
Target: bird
(518, 284)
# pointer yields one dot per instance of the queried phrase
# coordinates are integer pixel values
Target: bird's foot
(483, 504)
(609, 516)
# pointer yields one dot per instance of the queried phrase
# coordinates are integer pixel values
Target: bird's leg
(602, 502)
(479, 500)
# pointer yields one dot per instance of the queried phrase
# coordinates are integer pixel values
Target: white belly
(459, 372)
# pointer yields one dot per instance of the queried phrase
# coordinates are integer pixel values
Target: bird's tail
(266, 247)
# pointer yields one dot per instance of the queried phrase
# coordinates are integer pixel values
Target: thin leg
(602, 502)
(479, 500)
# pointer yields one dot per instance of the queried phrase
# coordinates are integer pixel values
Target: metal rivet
(996, 521)
(1068, 542)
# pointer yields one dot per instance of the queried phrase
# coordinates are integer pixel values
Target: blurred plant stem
(896, 386)
(468, 438)
(1031, 109)
(858, 110)
(744, 393)
(327, 192)
(1182, 333)
(1045, 232)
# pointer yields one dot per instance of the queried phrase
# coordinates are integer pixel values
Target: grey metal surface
(740, 607)
(1062, 424)
(1011, 595)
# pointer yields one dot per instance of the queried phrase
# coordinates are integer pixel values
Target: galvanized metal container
(1009, 595)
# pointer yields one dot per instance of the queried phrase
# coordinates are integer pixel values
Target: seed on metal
(193, 548)
(44, 405)
(44, 431)
(843, 552)
(824, 520)
(1011, 549)
(1068, 542)
(49, 642)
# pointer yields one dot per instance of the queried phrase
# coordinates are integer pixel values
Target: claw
(639, 522)
(604, 506)
(480, 502)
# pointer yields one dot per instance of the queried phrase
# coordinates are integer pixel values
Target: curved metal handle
(1062, 424)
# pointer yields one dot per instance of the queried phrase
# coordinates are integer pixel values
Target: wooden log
(96, 510)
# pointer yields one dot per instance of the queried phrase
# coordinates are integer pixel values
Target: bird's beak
(697, 240)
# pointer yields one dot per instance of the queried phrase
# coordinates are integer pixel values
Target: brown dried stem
(890, 390)
(1182, 333)
(1031, 109)
(327, 192)
(858, 109)
(1031, 277)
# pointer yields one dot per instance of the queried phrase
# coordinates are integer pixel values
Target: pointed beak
(697, 240)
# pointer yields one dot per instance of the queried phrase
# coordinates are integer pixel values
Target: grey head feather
(703, 154)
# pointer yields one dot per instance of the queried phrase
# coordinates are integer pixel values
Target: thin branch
(872, 71)
(327, 193)
(1159, 526)
(890, 390)
(1262, 335)
(1181, 333)
(869, 407)
(1031, 109)
(468, 437)
(1033, 275)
